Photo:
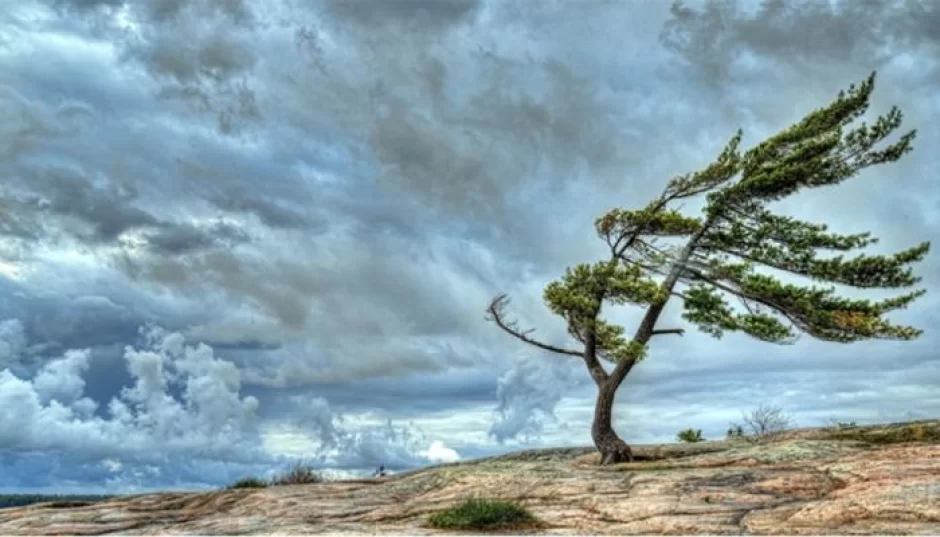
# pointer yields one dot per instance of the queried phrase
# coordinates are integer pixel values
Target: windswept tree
(715, 263)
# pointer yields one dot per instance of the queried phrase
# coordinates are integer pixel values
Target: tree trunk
(613, 450)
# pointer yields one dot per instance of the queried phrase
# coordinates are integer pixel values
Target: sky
(239, 234)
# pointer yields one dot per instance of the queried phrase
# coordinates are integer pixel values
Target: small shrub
(690, 436)
(249, 483)
(300, 474)
(839, 425)
(483, 514)
(735, 431)
(766, 422)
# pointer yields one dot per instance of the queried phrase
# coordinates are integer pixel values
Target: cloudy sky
(236, 233)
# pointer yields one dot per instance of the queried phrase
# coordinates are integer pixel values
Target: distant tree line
(18, 500)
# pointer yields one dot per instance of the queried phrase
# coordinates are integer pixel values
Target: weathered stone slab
(867, 480)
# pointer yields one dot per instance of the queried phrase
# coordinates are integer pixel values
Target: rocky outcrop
(873, 480)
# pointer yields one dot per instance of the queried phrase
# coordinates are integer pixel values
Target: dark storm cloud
(86, 5)
(328, 195)
(269, 211)
(108, 211)
(413, 395)
(463, 129)
(61, 197)
(19, 218)
(217, 56)
(429, 13)
(199, 52)
(463, 161)
(803, 34)
(28, 122)
(183, 238)
(163, 10)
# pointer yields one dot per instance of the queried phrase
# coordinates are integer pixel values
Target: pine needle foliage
(715, 262)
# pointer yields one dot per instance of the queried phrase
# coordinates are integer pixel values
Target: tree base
(615, 452)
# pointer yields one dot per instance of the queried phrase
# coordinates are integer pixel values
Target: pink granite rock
(874, 480)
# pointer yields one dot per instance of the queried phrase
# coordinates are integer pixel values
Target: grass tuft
(300, 474)
(690, 436)
(483, 514)
(249, 483)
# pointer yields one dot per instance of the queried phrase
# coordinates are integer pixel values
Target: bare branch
(663, 331)
(766, 422)
(496, 313)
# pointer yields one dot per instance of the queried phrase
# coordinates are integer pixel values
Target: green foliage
(814, 152)
(735, 431)
(719, 172)
(249, 483)
(743, 235)
(663, 223)
(299, 474)
(717, 263)
(738, 236)
(690, 436)
(577, 297)
(483, 514)
(711, 312)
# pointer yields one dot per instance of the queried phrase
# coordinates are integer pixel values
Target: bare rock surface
(866, 480)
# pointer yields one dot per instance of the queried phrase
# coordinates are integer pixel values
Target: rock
(863, 480)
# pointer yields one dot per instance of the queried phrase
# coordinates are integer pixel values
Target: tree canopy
(717, 260)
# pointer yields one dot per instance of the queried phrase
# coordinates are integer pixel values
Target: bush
(300, 474)
(835, 424)
(483, 514)
(690, 436)
(249, 483)
(762, 423)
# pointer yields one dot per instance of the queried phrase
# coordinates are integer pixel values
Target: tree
(657, 254)
(690, 436)
(764, 422)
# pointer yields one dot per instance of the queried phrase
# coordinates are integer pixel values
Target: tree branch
(663, 331)
(781, 310)
(647, 325)
(496, 313)
(590, 359)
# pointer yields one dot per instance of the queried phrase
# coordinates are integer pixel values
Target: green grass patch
(907, 433)
(484, 514)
